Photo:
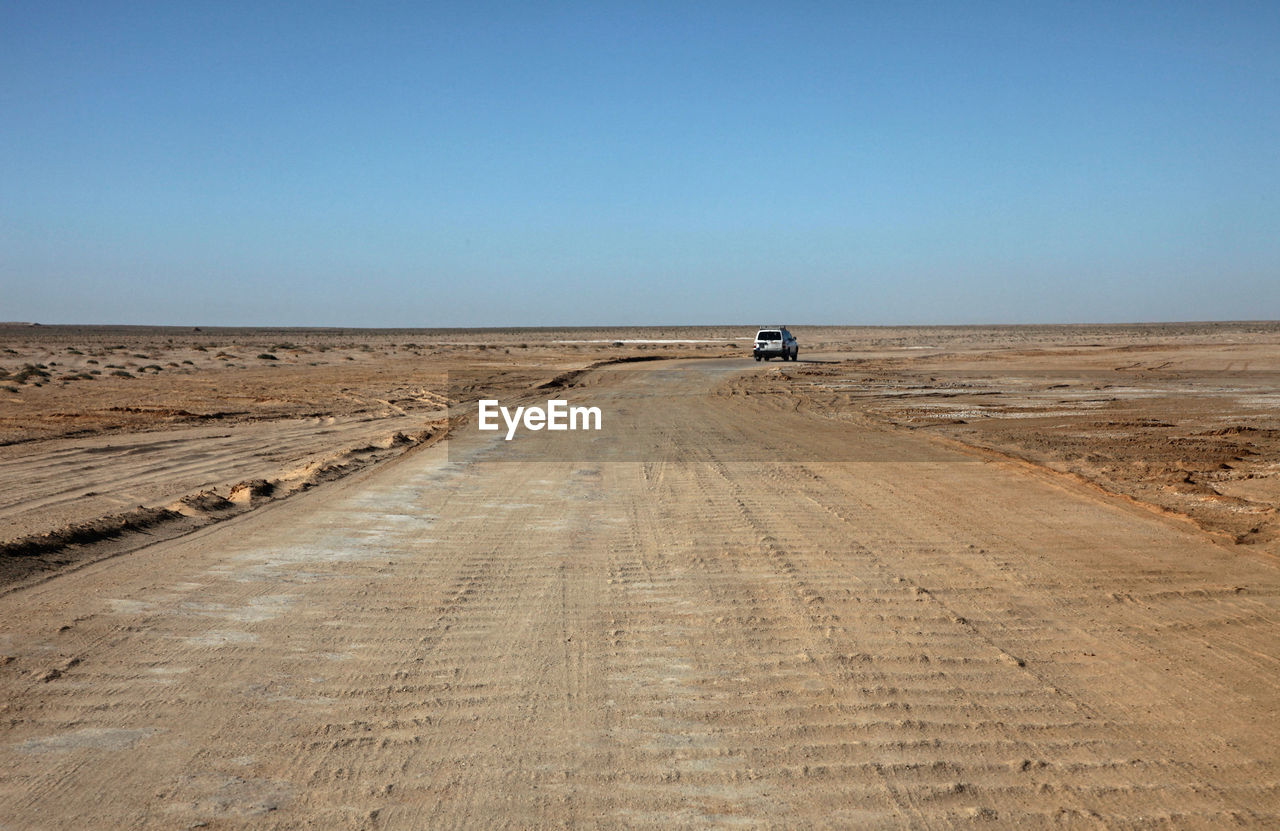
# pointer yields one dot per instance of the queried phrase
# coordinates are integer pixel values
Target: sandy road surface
(919, 638)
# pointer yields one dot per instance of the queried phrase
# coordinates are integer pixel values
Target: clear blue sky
(472, 163)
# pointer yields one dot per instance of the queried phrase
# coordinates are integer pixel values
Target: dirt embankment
(33, 555)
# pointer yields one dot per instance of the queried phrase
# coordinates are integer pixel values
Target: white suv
(775, 343)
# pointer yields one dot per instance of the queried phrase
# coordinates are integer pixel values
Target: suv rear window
(769, 334)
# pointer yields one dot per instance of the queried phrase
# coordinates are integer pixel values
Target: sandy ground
(807, 595)
(156, 431)
(1183, 419)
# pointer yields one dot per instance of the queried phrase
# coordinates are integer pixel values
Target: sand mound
(252, 490)
(204, 502)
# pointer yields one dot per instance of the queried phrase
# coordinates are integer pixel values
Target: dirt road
(489, 635)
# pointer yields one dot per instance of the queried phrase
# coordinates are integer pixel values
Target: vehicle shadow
(802, 361)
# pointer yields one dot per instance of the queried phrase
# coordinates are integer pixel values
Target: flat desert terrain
(922, 577)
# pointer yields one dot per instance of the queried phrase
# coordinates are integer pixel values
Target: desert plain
(1017, 576)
